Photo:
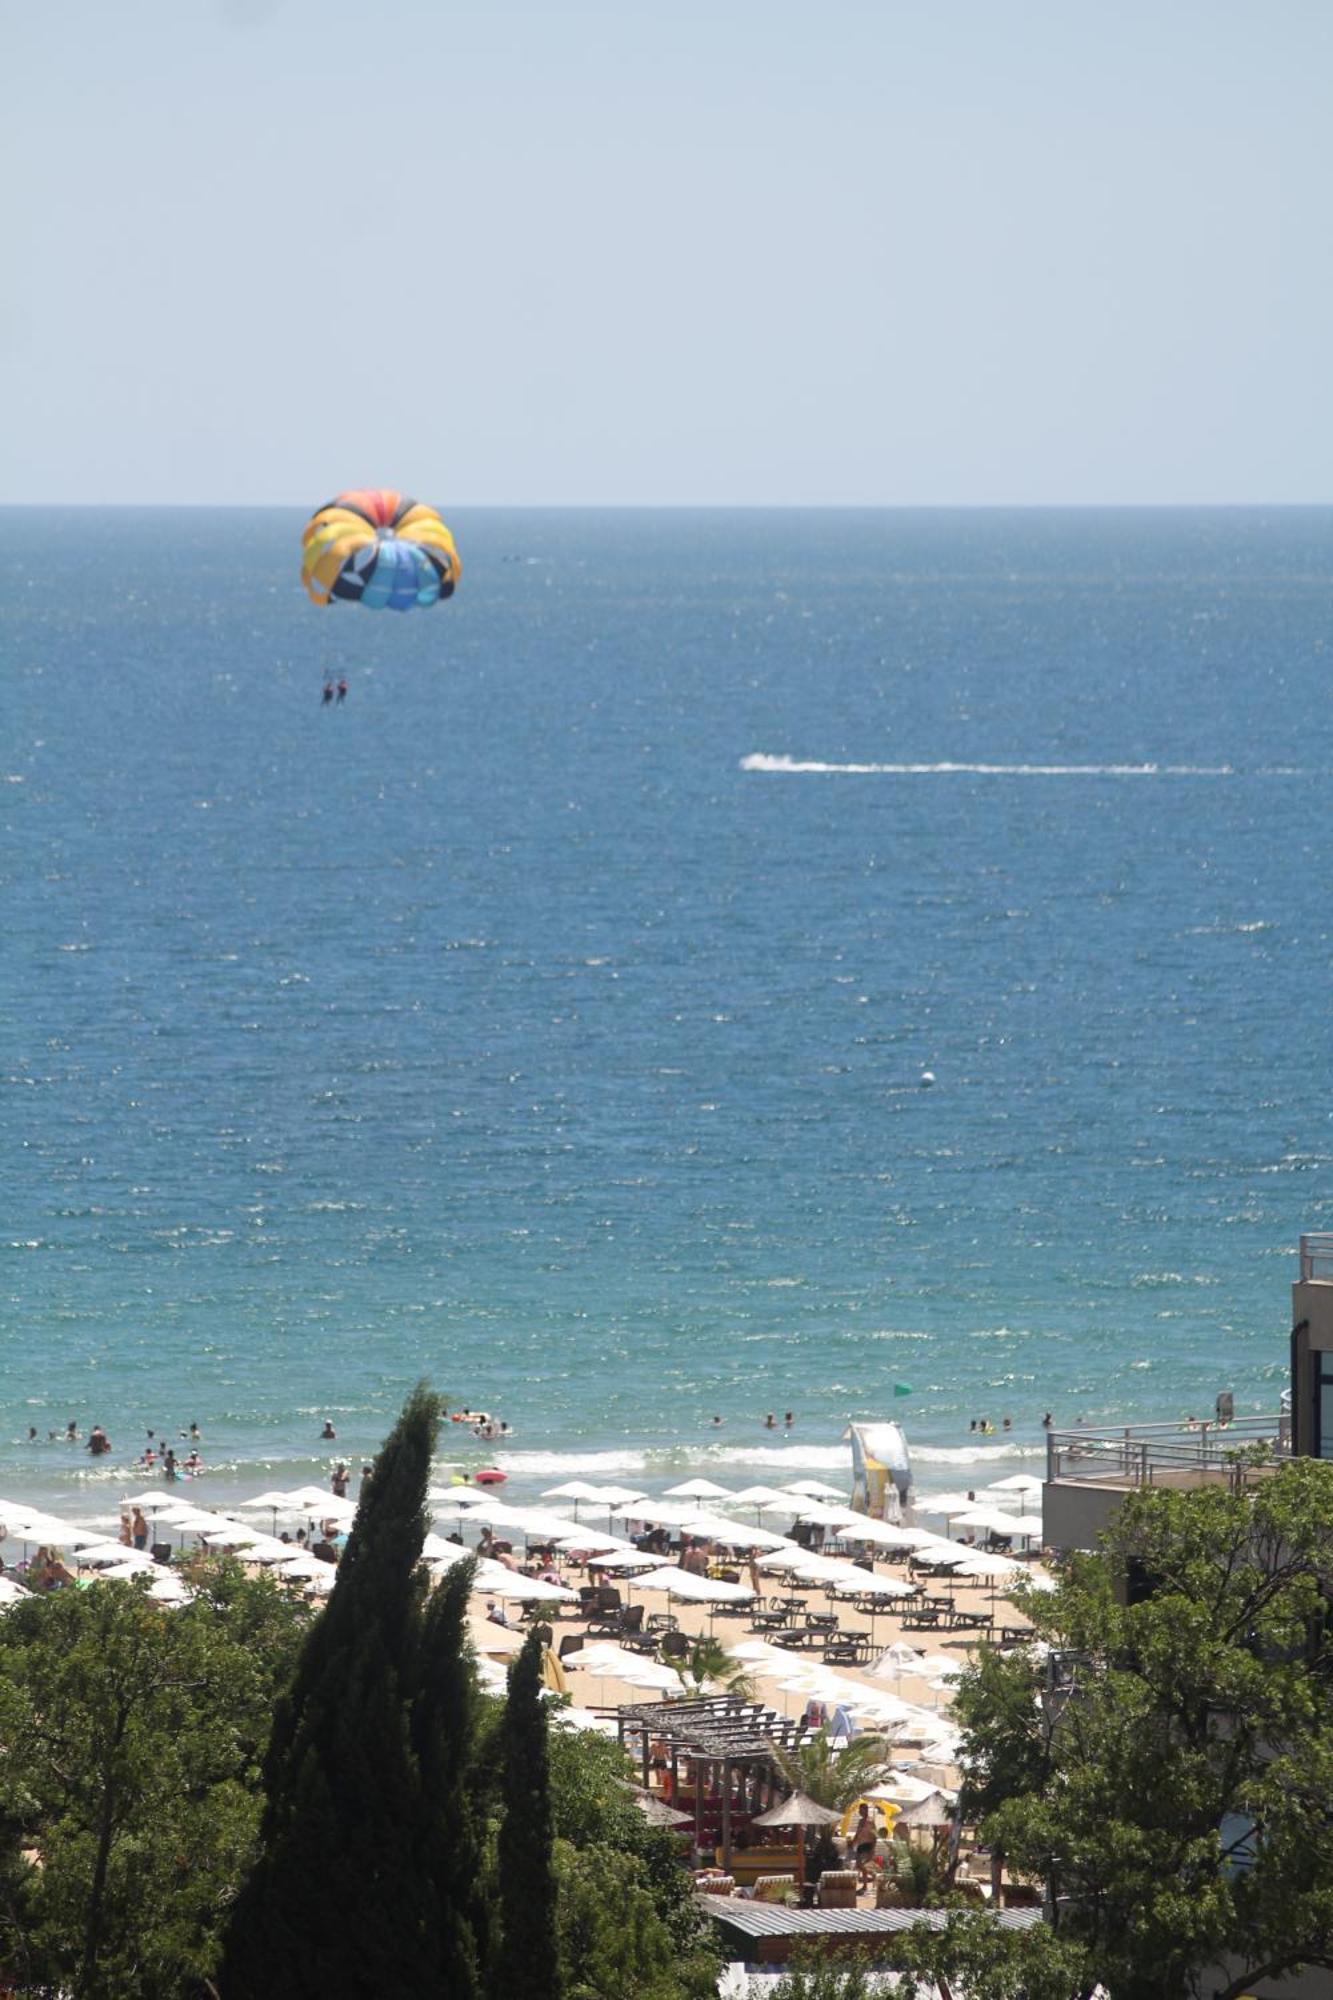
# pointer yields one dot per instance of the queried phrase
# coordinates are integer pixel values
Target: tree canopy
(1166, 1769)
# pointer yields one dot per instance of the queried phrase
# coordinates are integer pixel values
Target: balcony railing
(1317, 1255)
(1166, 1454)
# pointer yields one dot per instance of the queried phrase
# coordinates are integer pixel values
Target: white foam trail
(795, 766)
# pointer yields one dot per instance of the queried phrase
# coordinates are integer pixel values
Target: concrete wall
(1076, 1513)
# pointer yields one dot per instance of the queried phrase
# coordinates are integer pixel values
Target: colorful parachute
(379, 549)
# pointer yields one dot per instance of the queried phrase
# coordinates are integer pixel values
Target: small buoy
(492, 1476)
(927, 1078)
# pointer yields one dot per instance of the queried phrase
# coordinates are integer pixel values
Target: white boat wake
(797, 766)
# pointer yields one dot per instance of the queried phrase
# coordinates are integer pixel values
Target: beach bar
(715, 1758)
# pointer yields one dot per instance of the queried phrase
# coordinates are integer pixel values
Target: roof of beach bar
(724, 1727)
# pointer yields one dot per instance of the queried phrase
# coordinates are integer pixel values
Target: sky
(615, 252)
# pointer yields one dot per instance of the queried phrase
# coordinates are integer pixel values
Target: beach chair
(605, 1614)
(837, 1889)
(571, 1642)
(632, 1634)
(775, 1889)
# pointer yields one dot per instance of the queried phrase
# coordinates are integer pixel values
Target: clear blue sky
(718, 251)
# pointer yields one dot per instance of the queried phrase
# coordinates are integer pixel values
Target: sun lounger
(837, 1889)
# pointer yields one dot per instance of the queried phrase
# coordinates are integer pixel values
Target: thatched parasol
(798, 1811)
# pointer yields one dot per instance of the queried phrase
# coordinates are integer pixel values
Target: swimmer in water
(328, 693)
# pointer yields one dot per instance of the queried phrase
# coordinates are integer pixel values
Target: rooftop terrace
(1203, 1454)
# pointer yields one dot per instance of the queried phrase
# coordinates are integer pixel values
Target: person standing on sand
(865, 1838)
(139, 1529)
(338, 1481)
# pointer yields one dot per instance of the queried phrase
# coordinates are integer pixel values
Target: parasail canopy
(379, 549)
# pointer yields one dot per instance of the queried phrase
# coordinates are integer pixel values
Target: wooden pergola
(720, 1737)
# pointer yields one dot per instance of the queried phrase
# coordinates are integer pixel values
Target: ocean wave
(662, 1459)
(758, 760)
(971, 1454)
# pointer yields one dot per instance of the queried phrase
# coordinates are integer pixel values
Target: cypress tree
(443, 1730)
(526, 1965)
(339, 1901)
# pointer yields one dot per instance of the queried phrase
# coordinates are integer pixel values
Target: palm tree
(832, 1778)
(708, 1668)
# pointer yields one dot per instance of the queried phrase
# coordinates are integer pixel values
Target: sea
(846, 964)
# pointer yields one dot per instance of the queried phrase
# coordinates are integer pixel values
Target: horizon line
(724, 506)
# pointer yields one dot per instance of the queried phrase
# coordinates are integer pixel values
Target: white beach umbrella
(818, 1514)
(152, 1503)
(1028, 1525)
(895, 1661)
(113, 1555)
(697, 1489)
(573, 1489)
(758, 1496)
(446, 1553)
(623, 1559)
(465, 1496)
(814, 1489)
(495, 1581)
(976, 1562)
(905, 1790)
(880, 1586)
(167, 1588)
(228, 1536)
(300, 1562)
(50, 1528)
(590, 1540)
(658, 1513)
(275, 1502)
(693, 1589)
(438, 1548)
(983, 1517)
(529, 1521)
(885, 1534)
(1018, 1482)
(619, 1496)
(310, 1499)
(732, 1534)
(11, 1592)
(97, 1554)
(943, 1503)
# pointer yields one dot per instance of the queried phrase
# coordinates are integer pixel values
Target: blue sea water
(550, 1020)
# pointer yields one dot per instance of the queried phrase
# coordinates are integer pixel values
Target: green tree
(444, 1714)
(972, 1955)
(593, 1810)
(708, 1668)
(526, 1961)
(130, 1741)
(1168, 1771)
(342, 1899)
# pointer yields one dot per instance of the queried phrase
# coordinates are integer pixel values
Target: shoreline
(64, 1478)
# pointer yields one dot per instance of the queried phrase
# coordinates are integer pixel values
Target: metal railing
(1167, 1454)
(1317, 1254)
